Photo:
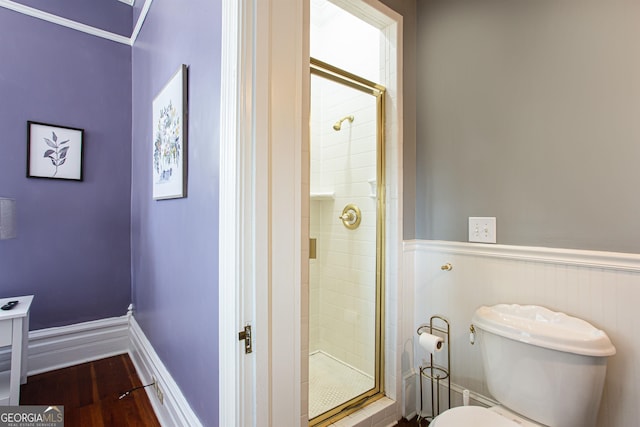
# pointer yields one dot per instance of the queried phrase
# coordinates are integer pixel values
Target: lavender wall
(72, 249)
(175, 242)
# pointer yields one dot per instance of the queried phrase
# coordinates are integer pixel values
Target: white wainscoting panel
(600, 287)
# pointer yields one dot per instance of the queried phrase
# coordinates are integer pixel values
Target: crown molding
(78, 26)
(140, 21)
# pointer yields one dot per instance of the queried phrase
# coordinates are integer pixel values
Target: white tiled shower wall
(342, 277)
(602, 288)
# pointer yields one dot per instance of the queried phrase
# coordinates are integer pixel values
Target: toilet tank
(545, 365)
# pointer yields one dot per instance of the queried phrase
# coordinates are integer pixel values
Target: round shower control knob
(351, 216)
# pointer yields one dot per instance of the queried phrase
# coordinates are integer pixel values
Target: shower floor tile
(332, 382)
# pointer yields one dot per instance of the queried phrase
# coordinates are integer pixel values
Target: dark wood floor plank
(89, 393)
(88, 415)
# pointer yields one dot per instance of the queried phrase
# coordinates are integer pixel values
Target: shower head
(338, 124)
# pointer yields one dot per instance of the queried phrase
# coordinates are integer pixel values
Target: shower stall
(346, 263)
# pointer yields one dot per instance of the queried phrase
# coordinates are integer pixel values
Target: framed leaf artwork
(54, 152)
(170, 138)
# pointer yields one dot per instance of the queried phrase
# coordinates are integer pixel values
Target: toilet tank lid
(542, 327)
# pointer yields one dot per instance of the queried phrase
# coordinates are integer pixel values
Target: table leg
(16, 362)
(25, 350)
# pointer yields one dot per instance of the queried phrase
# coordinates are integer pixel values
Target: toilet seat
(478, 416)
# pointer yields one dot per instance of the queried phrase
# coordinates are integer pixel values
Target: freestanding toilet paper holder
(434, 372)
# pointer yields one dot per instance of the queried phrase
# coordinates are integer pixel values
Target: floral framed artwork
(170, 138)
(54, 152)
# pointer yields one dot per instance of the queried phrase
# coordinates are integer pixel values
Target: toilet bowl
(545, 368)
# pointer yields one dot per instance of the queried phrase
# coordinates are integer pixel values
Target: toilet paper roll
(431, 343)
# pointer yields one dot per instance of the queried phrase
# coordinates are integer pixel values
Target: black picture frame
(54, 151)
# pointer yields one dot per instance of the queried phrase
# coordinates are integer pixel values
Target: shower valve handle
(351, 216)
(348, 216)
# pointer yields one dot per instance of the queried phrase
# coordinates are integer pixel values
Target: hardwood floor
(89, 393)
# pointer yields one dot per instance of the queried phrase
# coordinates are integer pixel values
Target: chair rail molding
(576, 257)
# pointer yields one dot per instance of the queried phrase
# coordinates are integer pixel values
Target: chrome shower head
(338, 124)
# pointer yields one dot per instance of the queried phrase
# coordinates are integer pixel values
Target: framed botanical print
(170, 138)
(54, 151)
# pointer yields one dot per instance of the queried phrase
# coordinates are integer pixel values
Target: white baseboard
(61, 347)
(174, 410)
(409, 399)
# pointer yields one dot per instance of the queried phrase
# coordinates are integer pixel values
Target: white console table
(14, 332)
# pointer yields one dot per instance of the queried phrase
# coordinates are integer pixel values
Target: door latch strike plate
(246, 336)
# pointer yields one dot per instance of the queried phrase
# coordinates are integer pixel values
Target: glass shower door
(345, 312)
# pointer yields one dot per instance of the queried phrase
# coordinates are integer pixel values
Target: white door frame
(264, 213)
(264, 106)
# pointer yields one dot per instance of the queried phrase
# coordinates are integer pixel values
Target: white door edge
(236, 369)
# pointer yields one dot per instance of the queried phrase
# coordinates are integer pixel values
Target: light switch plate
(482, 229)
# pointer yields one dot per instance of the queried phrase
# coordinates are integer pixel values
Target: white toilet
(544, 367)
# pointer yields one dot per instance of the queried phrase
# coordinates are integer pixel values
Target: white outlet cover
(482, 229)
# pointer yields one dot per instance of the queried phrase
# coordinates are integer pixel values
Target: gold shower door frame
(340, 76)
